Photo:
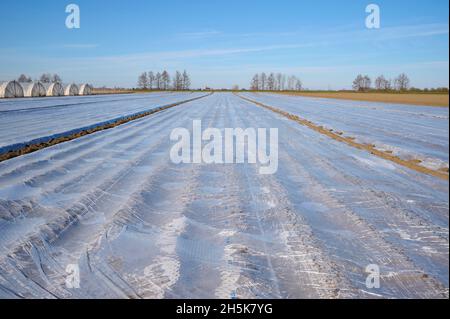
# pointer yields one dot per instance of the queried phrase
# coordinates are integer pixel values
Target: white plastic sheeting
(139, 226)
(10, 89)
(54, 89)
(85, 89)
(70, 90)
(24, 120)
(33, 89)
(410, 132)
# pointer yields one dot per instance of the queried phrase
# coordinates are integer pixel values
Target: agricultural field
(138, 225)
(421, 99)
(416, 133)
(49, 116)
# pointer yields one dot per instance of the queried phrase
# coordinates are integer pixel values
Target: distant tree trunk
(279, 80)
(402, 82)
(283, 82)
(263, 81)
(367, 83)
(178, 81)
(255, 85)
(143, 81)
(271, 82)
(186, 81)
(298, 85)
(165, 78)
(291, 83)
(158, 81)
(151, 80)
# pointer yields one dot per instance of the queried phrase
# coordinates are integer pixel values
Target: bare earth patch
(427, 99)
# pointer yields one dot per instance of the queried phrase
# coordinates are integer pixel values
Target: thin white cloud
(186, 54)
(411, 31)
(326, 39)
(355, 32)
(199, 35)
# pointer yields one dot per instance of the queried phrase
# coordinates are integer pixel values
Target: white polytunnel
(34, 89)
(70, 90)
(85, 89)
(54, 89)
(10, 89)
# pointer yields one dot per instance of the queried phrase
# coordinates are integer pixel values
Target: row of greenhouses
(14, 89)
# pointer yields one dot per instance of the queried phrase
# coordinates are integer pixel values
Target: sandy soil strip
(412, 164)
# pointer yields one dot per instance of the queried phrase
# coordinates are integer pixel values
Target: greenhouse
(10, 89)
(70, 90)
(85, 89)
(54, 89)
(33, 89)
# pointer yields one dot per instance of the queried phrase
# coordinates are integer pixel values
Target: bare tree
(158, 81)
(381, 83)
(367, 82)
(178, 81)
(291, 83)
(151, 80)
(358, 83)
(46, 78)
(263, 81)
(298, 85)
(279, 80)
(275, 82)
(402, 82)
(254, 86)
(24, 79)
(143, 81)
(271, 82)
(165, 79)
(186, 81)
(283, 82)
(56, 78)
(389, 84)
(362, 83)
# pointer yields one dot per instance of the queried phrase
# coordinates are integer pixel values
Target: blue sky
(222, 43)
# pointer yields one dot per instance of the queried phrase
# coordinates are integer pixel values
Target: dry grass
(429, 99)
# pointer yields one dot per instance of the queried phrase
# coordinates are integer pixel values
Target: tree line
(163, 81)
(45, 78)
(275, 82)
(363, 83)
